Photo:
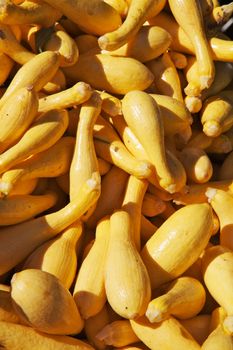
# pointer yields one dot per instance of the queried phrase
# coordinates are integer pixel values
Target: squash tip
(103, 42)
(228, 325)
(210, 193)
(154, 315)
(5, 188)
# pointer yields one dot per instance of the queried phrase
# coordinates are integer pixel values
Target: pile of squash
(116, 175)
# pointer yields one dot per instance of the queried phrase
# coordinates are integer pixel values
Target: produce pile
(116, 175)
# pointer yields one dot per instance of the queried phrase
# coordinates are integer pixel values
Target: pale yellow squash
(217, 267)
(183, 298)
(77, 94)
(37, 72)
(39, 303)
(197, 164)
(118, 334)
(16, 115)
(84, 162)
(89, 291)
(150, 42)
(30, 11)
(58, 256)
(41, 135)
(18, 241)
(139, 11)
(109, 146)
(18, 208)
(94, 17)
(133, 202)
(166, 335)
(128, 297)
(52, 162)
(143, 116)
(111, 197)
(28, 338)
(177, 243)
(116, 75)
(222, 203)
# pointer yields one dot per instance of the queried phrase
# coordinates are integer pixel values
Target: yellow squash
(111, 197)
(56, 84)
(34, 74)
(60, 41)
(217, 267)
(131, 142)
(132, 203)
(217, 318)
(118, 334)
(116, 75)
(25, 187)
(183, 298)
(220, 15)
(87, 42)
(127, 296)
(77, 94)
(222, 203)
(174, 113)
(94, 17)
(30, 11)
(218, 339)
(94, 324)
(18, 241)
(177, 243)
(152, 205)
(110, 104)
(12, 48)
(19, 208)
(28, 338)
(221, 49)
(223, 76)
(189, 16)
(179, 60)
(166, 77)
(150, 42)
(166, 335)
(58, 256)
(217, 115)
(89, 291)
(143, 116)
(41, 135)
(84, 162)
(109, 146)
(196, 193)
(45, 304)
(193, 103)
(121, 6)
(16, 115)
(197, 164)
(52, 162)
(139, 11)
(6, 65)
